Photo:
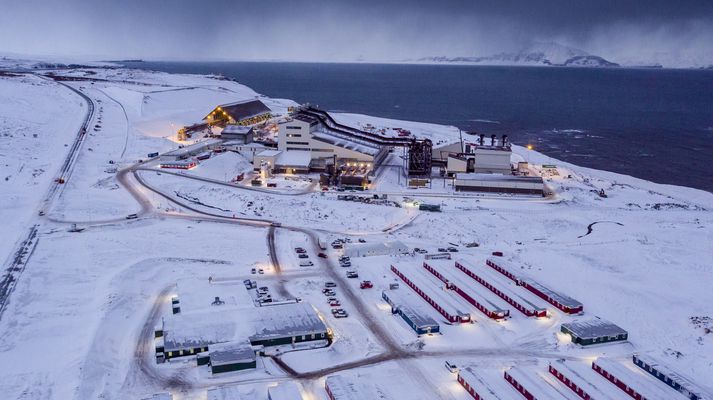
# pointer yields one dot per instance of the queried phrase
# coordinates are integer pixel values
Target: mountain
(538, 53)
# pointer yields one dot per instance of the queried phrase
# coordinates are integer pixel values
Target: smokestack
(492, 140)
(482, 139)
(505, 141)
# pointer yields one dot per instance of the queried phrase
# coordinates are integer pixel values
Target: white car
(306, 264)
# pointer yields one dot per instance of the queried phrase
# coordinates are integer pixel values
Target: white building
(375, 249)
(284, 391)
(497, 183)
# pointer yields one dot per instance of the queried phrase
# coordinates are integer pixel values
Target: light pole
(529, 148)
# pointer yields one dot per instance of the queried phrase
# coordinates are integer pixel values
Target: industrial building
(663, 373)
(190, 333)
(414, 317)
(284, 391)
(247, 112)
(493, 158)
(502, 290)
(189, 151)
(454, 282)
(594, 331)
(498, 183)
(633, 381)
(441, 302)
(391, 247)
(563, 302)
(237, 133)
(228, 357)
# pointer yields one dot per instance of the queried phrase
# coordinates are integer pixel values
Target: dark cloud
(348, 30)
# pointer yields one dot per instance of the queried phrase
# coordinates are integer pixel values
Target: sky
(629, 32)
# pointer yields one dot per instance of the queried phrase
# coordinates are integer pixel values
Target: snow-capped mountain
(538, 53)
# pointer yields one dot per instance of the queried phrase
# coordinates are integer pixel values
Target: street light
(529, 148)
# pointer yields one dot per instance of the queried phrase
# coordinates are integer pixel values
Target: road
(15, 264)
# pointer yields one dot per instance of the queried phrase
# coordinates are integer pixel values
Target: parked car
(340, 313)
(253, 271)
(322, 255)
(362, 240)
(330, 299)
(337, 246)
(330, 284)
(335, 303)
(345, 264)
(330, 293)
(452, 249)
(325, 290)
(300, 250)
(366, 285)
(41, 213)
(442, 249)
(344, 258)
(352, 274)
(306, 264)
(260, 271)
(498, 253)
(302, 255)
(132, 216)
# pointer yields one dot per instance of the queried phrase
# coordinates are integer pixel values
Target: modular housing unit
(284, 391)
(634, 382)
(534, 387)
(483, 305)
(562, 302)
(482, 388)
(417, 320)
(339, 388)
(576, 379)
(669, 377)
(521, 304)
(594, 331)
(451, 313)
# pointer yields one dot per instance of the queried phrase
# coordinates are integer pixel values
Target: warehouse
(497, 183)
(414, 317)
(246, 112)
(666, 375)
(502, 290)
(194, 149)
(632, 380)
(229, 357)
(284, 391)
(190, 333)
(483, 386)
(594, 331)
(392, 247)
(562, 302)
(455, 283)
(237, 133)
(442, 303)
(532, 386)
(288, 162)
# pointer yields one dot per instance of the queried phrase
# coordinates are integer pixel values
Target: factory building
(247, 112)
(191, 333)
(186, 152)
(420, 322)
(497, 183)
(594, 331)
(237, 134)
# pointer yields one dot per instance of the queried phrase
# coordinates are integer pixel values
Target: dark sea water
(654, 124)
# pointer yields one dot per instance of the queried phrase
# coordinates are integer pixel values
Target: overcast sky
(343, 30)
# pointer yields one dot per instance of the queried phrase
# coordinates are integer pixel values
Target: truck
(429, 207)
(152, 155)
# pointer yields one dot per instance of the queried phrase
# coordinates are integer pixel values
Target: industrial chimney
(505, 141)
(482, 139)
(492, 140)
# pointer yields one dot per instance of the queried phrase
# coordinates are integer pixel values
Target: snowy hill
(550, 53)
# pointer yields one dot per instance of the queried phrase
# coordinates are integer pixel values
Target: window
(300, 143)
(293, 127)
(294, 135)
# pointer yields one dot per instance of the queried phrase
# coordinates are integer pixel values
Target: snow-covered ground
(77, 322)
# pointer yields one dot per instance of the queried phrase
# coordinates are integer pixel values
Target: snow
(80, 321)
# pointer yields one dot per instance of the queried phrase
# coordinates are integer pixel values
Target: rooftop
(284, 391)
(236, 129)
(244, 109)
(593, 328)
(229, 353)
(294, 158)
(498, 177)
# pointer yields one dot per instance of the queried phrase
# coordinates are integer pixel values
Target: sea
(655, 124)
